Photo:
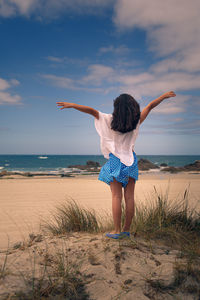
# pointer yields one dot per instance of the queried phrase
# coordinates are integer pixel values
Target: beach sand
(111, 269)
(25, 202)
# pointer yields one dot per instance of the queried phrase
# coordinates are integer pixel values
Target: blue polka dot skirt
(114, 168)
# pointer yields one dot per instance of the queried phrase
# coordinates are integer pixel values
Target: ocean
(59, 163)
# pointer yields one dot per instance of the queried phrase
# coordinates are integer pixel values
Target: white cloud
(120, 50)
(98, 74)
(63, 82)
(51, 8)
(172, 106)
(171, 131)
(141, 85)
(173, 28)
(10, 8)
(59, 7)
(190, 124)
(173, 33)
(131, 80)
(6, 10)
(7, 97)
(14, 82)
(24, 6)
(4, 84)
(144, 87)
(68, 83)
(188, 62)
(186, 127)
(55, 59)
(65, 60)
(151, 85)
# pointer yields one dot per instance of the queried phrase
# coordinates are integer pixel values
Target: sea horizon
(59, 163)
(97, 154)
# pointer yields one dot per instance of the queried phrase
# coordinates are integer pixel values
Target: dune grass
(70, 217)
(161, 218)
(170, 220)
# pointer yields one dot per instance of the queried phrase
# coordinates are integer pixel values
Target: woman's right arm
(153, 104)
(83, 108)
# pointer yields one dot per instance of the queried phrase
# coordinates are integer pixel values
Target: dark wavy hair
(126, 113)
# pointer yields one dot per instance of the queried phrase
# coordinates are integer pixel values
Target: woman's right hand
(169, 94)
(65, 105)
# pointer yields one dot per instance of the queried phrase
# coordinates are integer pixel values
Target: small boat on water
(43, 157)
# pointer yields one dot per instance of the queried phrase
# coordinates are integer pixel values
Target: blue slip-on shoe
(114, 235)
(125, 233)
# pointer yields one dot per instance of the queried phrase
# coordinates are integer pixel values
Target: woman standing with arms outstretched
(118, 132)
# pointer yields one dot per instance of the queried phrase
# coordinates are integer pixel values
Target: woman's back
(115, 142)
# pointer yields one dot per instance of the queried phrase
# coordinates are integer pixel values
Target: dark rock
(91, 163)
(128, 281)
(27, 174)
(145, 165)
(193, 167)
(163, 165)
(76, 166)
(4, 173)
(172, 169)
(66, 175)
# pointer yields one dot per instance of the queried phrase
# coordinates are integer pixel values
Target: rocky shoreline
(93, 167)
(194, 167)
(145, 165)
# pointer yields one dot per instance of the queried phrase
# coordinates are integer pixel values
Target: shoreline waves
(66, 165)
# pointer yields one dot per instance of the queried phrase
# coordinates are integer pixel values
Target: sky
(89, 52)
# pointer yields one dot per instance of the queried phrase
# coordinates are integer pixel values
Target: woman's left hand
(169, 94)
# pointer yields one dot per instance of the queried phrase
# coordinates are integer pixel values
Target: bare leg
(129, 201)
(116, 189)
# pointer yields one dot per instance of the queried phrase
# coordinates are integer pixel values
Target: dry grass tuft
(70, 217)
(171, 221)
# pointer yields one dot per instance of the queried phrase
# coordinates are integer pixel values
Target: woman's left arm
(83, 108)
(153, 104)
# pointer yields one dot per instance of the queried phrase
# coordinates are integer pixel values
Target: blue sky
(89, 52)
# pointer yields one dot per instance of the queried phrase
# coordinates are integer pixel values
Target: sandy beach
(131, 268)
(25, 202)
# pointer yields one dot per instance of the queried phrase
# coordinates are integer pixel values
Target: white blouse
(115, 142)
